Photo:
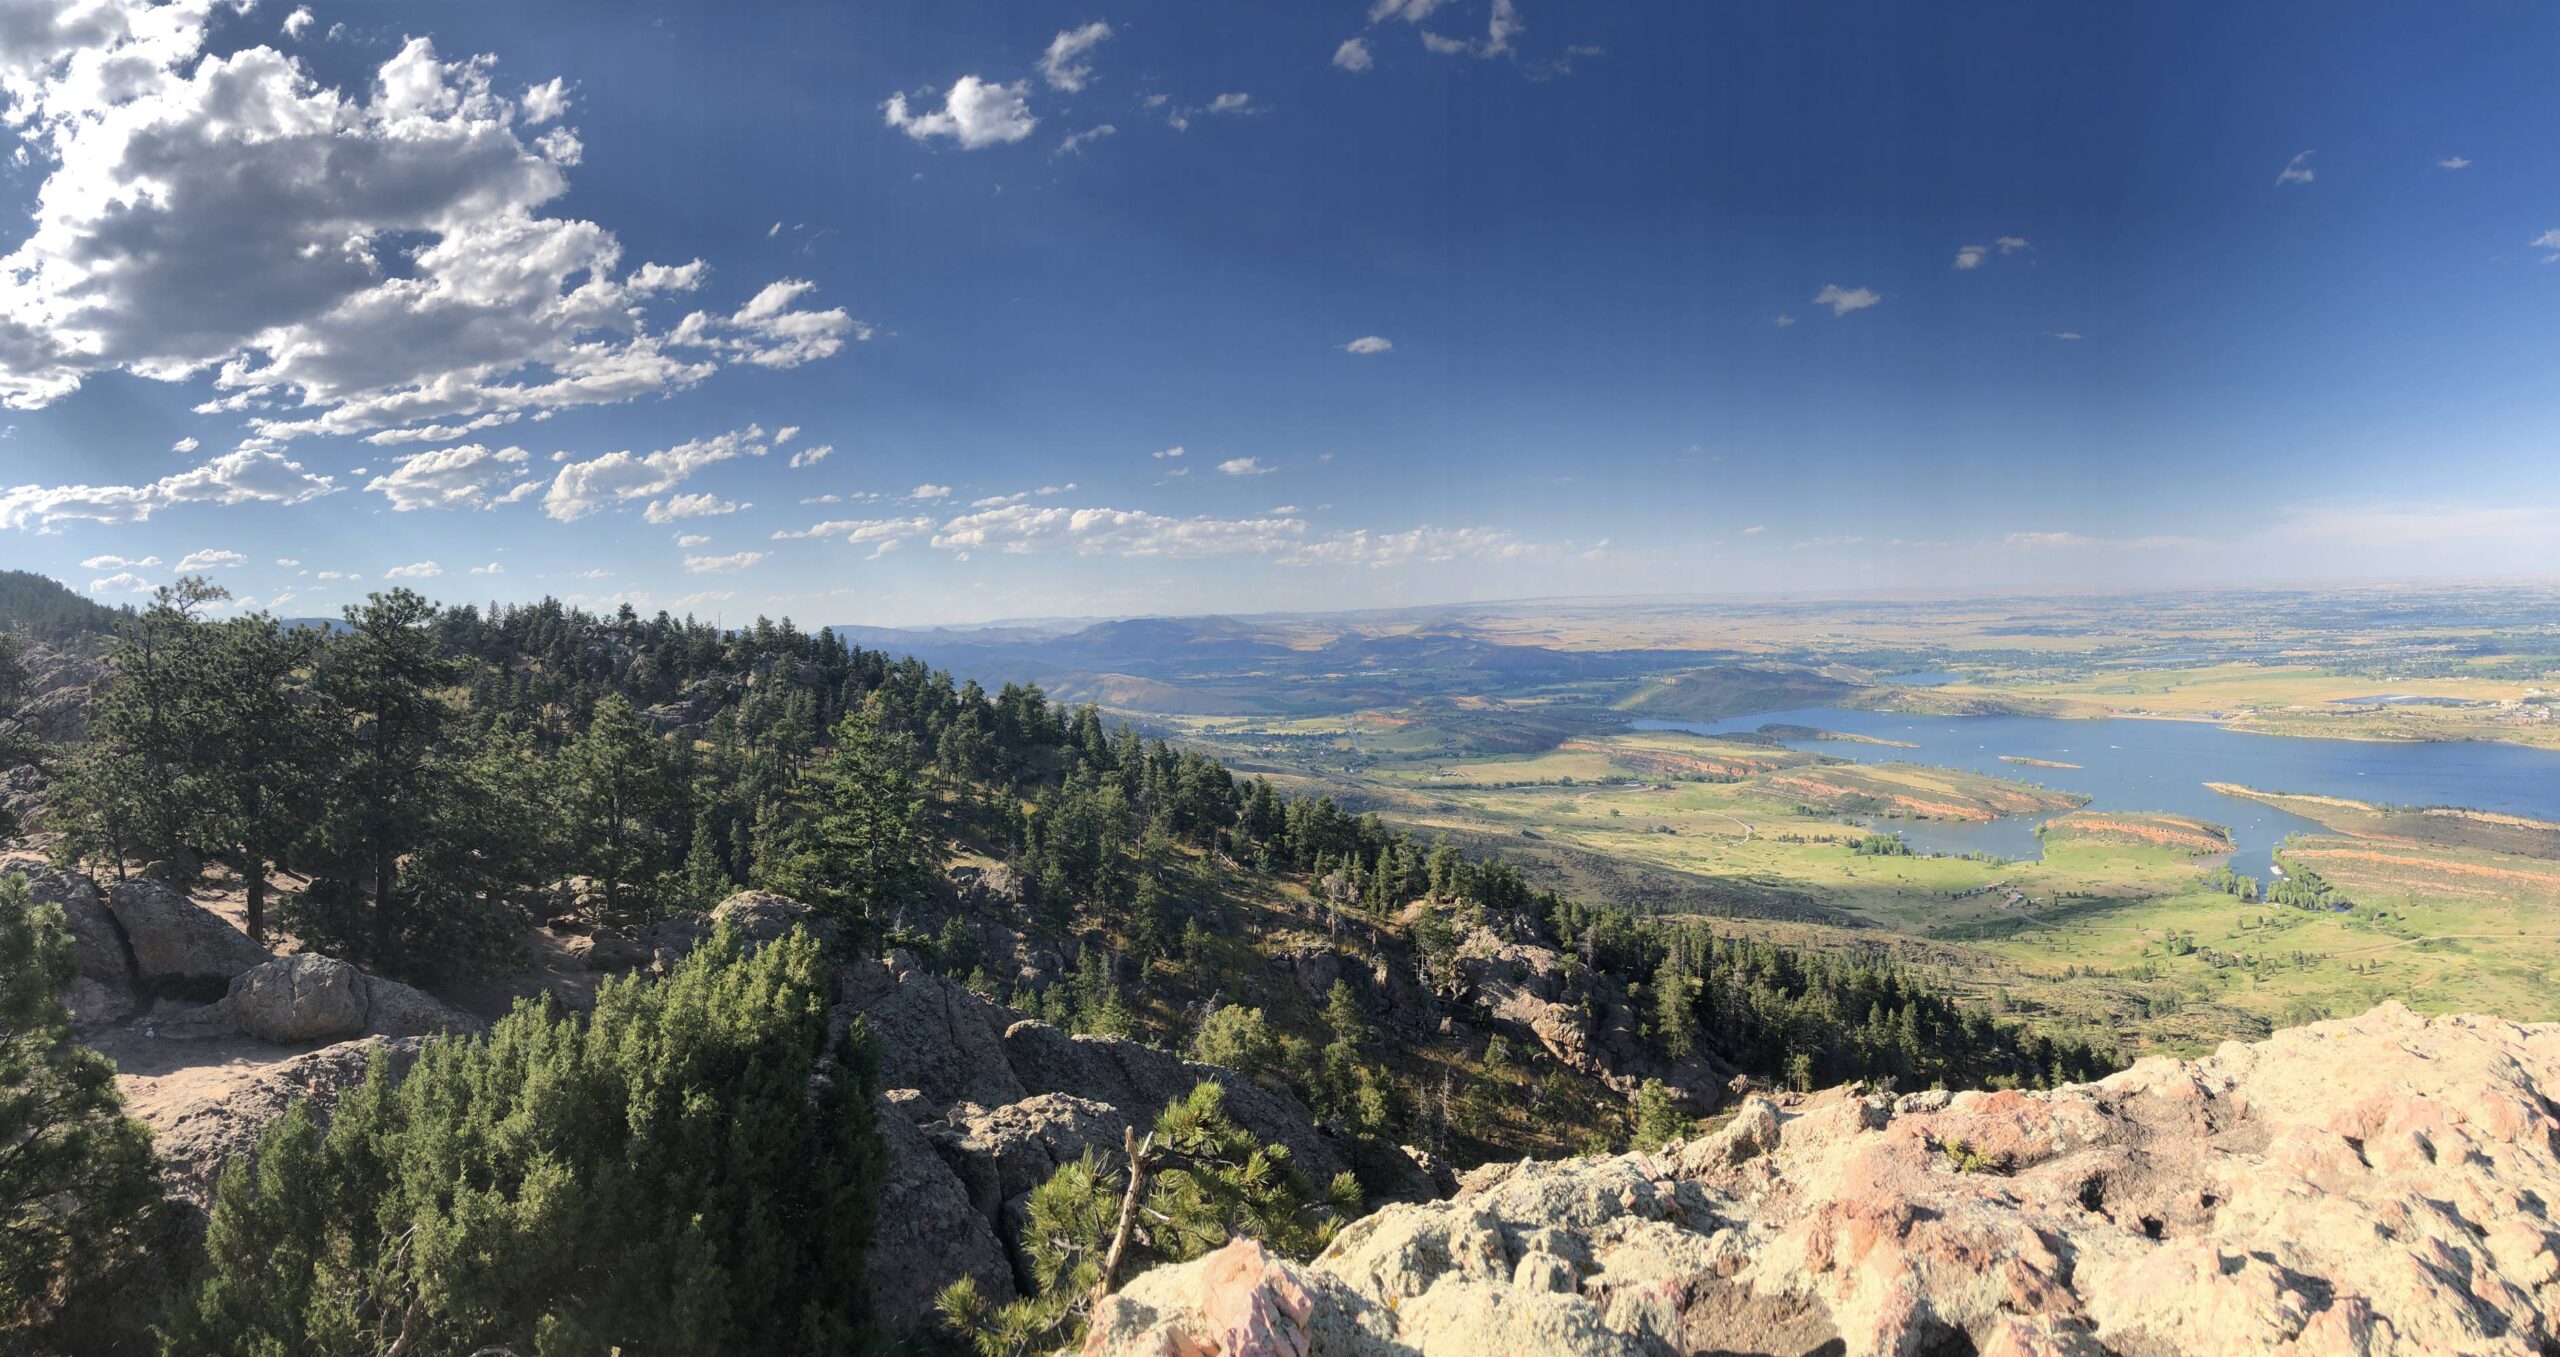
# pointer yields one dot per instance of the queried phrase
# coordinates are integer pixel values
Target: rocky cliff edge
(2381, 1185)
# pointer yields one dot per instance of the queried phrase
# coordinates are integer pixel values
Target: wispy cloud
(2296, 171)
(1067, 65)
(1843, 300)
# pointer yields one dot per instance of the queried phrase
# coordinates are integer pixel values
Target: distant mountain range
(1228, 665)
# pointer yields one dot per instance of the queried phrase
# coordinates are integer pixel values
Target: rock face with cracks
(2382, 1186)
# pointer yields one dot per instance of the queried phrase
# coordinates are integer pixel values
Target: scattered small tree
(1658, 1117)
(1195, 1182)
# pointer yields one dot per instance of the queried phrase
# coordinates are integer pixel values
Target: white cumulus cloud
(583, 488)
(465, 477)
(677, 507)
(233, 478)
(976, 113)
(334, 260)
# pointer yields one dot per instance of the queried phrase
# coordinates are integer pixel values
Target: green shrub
(693, 1169)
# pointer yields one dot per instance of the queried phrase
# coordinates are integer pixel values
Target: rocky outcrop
(2381, 1186)
(935, 1037)
(97, 946)
(294, 999)
(1582, 1019)
(392, 1009)
(762, 916)
(1142, 1080)
(983, 1106)
(179, 947)
(929, 1233)
(222, 1112)
(999, 1155)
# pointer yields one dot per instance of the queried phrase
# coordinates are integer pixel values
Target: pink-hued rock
(2380, 1186)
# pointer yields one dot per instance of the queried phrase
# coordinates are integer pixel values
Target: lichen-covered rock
(762, 916)
(1141, 1080)
(97, 948)
(2379, 1186)
(300, 998)
(221, 1113)
(95, 1005)
(393, 1009)
(935, 1037)
(929, 1233)
(1004, 1152)
(179, 946)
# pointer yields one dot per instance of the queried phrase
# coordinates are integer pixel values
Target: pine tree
(385, 675)
(1658, 1119)
(136, 792)
(692, 1169)
(865, 846)
(706, 878)
(1202, 1180)
(270, 748)
(617, 793)
(79, 1198)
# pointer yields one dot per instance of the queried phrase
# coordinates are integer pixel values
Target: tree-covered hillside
(422, 788)
(44, 608)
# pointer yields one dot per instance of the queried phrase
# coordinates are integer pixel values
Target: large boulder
(935, 1036)
(179, 946)
(1002, 1153)
(929, 1233)
(599, 948)
(294, 999)
(393, 1009)
(673, 938)
(95, 944)
(762, 916)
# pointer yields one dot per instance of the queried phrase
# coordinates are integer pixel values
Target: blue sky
(1439, 299)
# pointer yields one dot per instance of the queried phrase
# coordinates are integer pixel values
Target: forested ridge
(416, 787)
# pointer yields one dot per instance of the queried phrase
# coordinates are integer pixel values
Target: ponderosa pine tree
(862, 845)
(384, 674)
(266, 746)
(617, 794)
(136, 790)
(79, 1197)
(691, 1170)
